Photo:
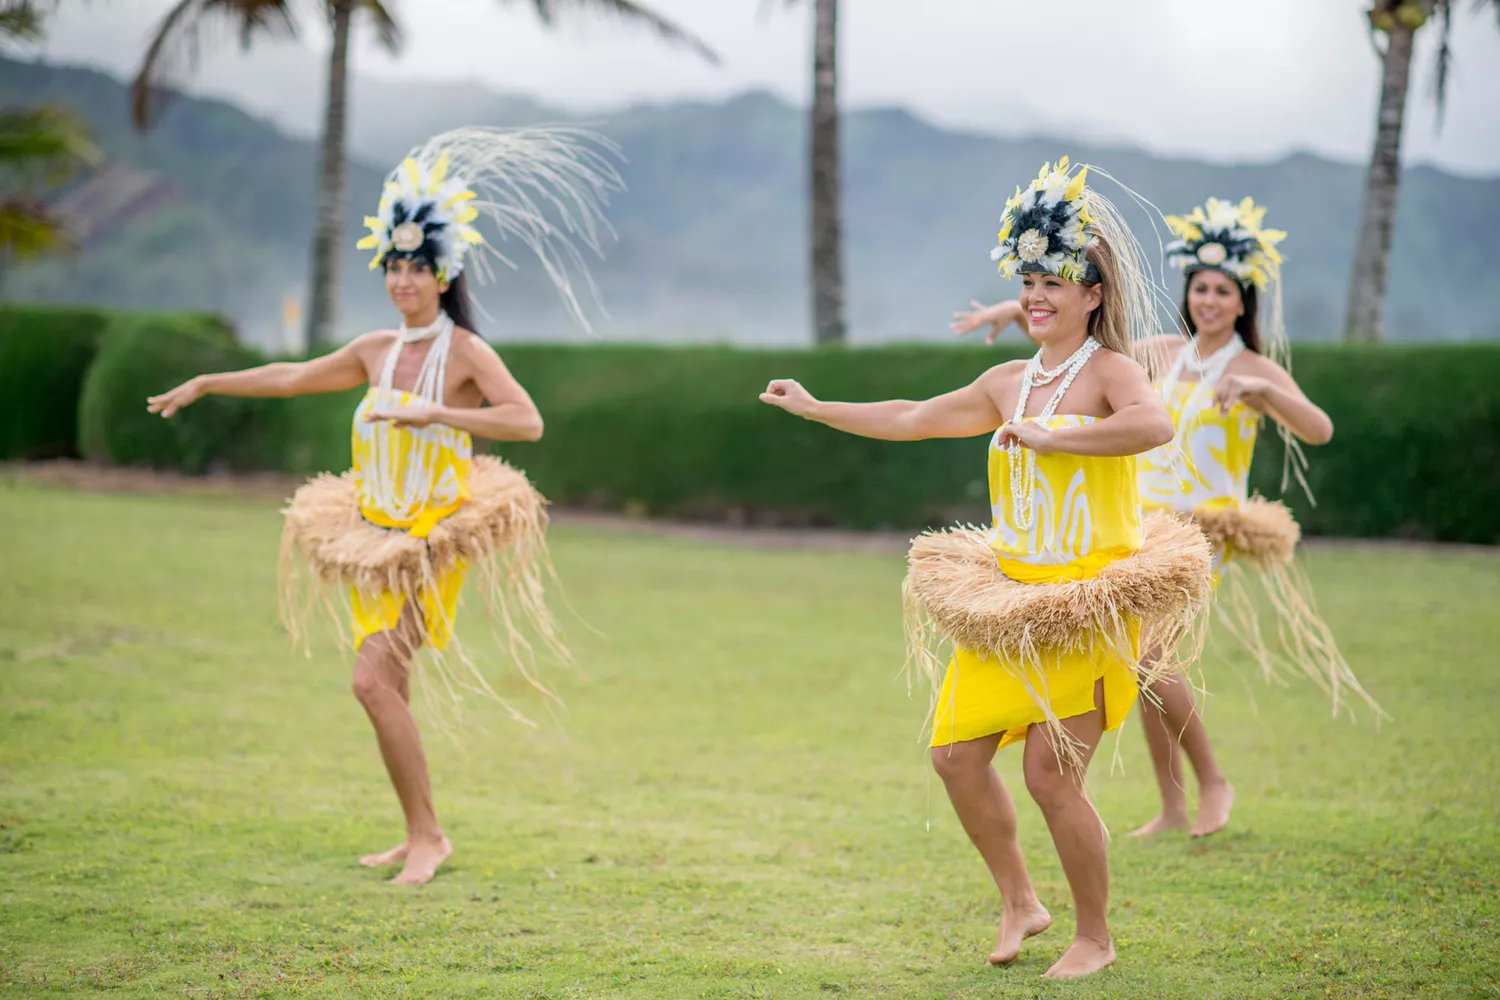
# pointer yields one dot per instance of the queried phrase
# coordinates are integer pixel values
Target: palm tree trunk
(1372, 254)
(827, 249)
(333, 179)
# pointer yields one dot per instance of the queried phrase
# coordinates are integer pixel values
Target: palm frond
(628, 12)
(179, 40)
(28, 228)
(49, 140)
(20, 20)
(1444, 60)
(387, 28)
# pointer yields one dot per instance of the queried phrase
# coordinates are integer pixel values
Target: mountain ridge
(712, 227)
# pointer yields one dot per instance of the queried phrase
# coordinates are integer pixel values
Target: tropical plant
(175, 50)
(825, 181)
(1393, 26)
(39, 148)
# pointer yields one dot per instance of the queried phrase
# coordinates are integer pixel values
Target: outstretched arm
(997, 317)
(964, 412)
(343, 369)
(510, 416)
(1139, 421)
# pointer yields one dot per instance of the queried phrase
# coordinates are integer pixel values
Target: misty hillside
(213, 211)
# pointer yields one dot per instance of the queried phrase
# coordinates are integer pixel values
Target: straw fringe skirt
(1258, 538)
(328, 549)
(1032, 652)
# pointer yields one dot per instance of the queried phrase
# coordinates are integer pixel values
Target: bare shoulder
(1006, 371)
(1113, 364)
(472, 345)
(1259, 366)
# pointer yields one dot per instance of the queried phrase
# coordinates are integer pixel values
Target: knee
(956, 762)
(1051, 783)
(369, 686)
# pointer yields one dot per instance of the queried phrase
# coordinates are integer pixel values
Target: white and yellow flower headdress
(546, 187)
(424, 215)
(1227, 237)
(1048, 227)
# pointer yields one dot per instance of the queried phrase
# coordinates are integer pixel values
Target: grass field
(734, 803)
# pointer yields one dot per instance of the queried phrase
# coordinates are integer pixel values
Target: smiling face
(414, 288)
(1214, 302)
(1056, 309)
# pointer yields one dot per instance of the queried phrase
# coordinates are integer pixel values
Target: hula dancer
(399, 533)
(1218, 386)
(1046, 609)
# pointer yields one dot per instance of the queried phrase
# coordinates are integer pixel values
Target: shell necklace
(1209, 370)
(1023, 460)
(401, 493)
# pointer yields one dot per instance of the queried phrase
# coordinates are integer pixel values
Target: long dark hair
(1245, 324)
(455, 302)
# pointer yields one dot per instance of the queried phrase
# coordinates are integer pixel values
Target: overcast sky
(1216, 79)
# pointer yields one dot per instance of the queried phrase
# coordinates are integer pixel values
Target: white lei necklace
(1209, 370)
(402, 496)
(1023, 460)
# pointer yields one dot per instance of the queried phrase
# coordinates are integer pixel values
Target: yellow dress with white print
(1207, 464)
(428, 469)
(1087, 515)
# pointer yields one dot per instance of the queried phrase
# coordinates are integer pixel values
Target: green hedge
(44, 355)
(680, 432)
(1416, 452)
(142, 355)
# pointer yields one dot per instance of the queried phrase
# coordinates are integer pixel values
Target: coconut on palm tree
(1394, 25)
(175, 49)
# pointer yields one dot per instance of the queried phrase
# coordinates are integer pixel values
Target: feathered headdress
(1229, 238)
(1048, 227)
(545, 187)
(1221, 235)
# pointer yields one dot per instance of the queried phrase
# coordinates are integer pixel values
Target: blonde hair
(1127, 314)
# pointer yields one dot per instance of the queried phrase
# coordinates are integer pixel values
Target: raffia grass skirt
(1031, 653)
(1256, 543)
(498, 537)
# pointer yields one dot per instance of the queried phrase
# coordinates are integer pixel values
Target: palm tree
(176, 45)
(39, 147)
(825, 179)
(1393, 28)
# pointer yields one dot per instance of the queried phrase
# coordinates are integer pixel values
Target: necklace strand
(1023, 460)
(402, 493)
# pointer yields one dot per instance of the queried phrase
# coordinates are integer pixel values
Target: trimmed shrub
(141, 356)
(44, 355)
(1416, 452)
(681, 432)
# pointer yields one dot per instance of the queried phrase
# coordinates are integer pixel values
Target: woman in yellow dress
(418, 511)
(1218, 387)
(1046, 608)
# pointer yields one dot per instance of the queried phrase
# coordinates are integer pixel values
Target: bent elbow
(533, 430)
(1161, 431)
(1323, 435)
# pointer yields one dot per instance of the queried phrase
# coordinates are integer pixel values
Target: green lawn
(735, 802)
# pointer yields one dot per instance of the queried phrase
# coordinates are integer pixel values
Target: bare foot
(1161, 824)
(1016, 926)
(397, 853)
(422, 861)
(1214, 803)
(1084, 957)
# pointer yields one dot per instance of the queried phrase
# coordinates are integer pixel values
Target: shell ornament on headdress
(546, 187)
(1226, 237)
(1048, 229)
